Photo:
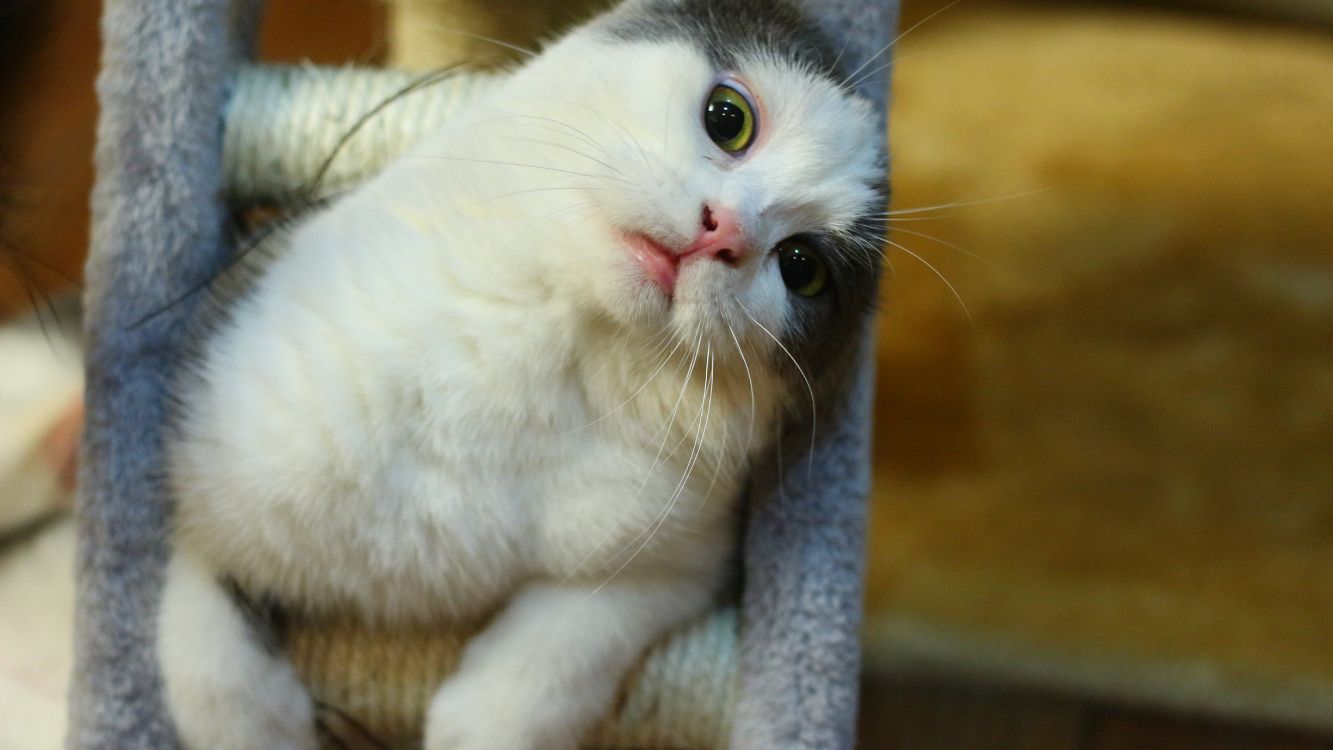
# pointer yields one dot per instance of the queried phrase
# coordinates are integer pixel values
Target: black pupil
(724, 121)
(798, 268)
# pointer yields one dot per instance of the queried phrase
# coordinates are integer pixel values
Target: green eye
(729, 118)
(802, 268)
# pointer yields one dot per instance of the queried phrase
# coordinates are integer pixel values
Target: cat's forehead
(768, 45)
(727, 32)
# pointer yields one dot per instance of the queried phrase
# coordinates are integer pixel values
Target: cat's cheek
(767, 300)
(627, 296)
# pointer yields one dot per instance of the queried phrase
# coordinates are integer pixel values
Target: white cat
(521, 372)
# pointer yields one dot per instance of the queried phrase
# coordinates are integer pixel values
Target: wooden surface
(919, 714)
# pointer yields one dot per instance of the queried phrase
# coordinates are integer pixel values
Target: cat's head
(718, 175)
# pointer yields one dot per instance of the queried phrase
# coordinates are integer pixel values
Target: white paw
(290, 723)
(224, 691)
(290, 731)
(468, 715)
(226, 720)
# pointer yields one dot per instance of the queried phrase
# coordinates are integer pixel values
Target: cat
(520, 374)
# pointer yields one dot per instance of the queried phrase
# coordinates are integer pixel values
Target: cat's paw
(470, 715)
(265, 718)
(294, 729)
(224, 689)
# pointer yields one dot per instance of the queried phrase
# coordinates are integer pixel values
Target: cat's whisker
(814, 416)
(544, 123)
(632, 140)
(696, 453)
(666, 118)
(572, 150)
(936, 271)
(659, 517)
(872, 242)
(841, 51)
(426, 80)
(870, 74)
(629, 138)
(637, 146)
(571, 130)
(41, 303)
(868, 250)
(313, 192)
(554, 188)
(749, 378)
(893, 63)
(962, 203)
(889, 46)
(665, 431)
(641, 388)
(867, 255)
(561, 212)
(932, 238)
(869, 245)
(501, 163)
(490, 40)
(721, 457)
(685, 436)
(705, 412)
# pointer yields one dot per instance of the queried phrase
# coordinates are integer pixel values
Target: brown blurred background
(1103, 515)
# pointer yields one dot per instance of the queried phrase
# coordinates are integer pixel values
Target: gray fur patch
(725, 30)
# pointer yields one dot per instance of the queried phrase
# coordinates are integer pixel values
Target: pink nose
(719, 238)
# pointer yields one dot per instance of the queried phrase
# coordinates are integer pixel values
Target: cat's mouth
(660, 263)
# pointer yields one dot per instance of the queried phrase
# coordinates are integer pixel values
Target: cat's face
(718, 180)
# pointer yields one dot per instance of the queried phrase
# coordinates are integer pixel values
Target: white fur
(225, 692)
(456, 393)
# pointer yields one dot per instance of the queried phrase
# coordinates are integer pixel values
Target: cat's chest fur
(406, 445)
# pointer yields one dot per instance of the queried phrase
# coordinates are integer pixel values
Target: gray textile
(158, 230)
(158, 221)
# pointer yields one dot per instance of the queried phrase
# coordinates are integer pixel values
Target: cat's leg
(225, 688)
(547, 670)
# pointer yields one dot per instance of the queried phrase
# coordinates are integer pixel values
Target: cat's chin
(649, 289)
(690, 317)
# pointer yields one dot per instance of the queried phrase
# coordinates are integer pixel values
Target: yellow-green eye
(802, 268)
(729, 118)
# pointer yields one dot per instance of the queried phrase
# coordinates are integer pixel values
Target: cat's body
(522, 371)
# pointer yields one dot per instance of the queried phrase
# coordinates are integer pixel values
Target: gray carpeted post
(158, 220)
(805, 543)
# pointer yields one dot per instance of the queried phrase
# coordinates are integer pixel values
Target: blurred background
(1103, 510)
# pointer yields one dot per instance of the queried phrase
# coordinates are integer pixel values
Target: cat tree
(187, 130)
